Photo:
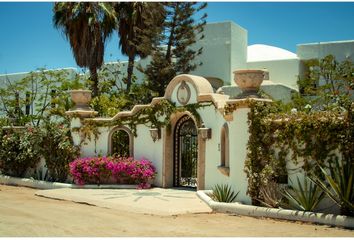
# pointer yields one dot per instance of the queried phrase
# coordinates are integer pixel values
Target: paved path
(22, 214)
(157, 201)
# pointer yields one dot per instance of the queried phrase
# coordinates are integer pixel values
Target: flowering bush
(100, 170)
(22, 149)
(19, 151)
(90, 170)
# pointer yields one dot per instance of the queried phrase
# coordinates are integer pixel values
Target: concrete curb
(27, 182)
(255, 211)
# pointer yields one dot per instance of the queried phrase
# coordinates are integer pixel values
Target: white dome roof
(261, 52)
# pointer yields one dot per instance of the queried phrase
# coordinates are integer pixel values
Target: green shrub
(58, 150)
(3, 122)
(223, 193)
(22, 149)
(19, 151)
(306, 197)
(316, 137)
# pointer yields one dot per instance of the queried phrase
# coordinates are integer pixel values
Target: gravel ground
(22, 214)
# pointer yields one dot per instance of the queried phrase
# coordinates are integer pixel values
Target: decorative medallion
(183, 93)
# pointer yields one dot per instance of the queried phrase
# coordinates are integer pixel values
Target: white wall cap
(324, 43)
(72, 69)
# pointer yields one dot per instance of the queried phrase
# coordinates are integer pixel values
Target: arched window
(224, 167)
(121, 142)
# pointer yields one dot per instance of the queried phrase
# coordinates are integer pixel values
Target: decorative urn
(81, 98)
(249, 81)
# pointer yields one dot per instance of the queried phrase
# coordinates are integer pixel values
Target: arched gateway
(204, 142)
(185, 167)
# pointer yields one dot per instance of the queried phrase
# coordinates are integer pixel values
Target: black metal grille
(186, 153)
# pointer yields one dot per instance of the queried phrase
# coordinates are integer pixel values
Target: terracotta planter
(249, 81)
(81, 98)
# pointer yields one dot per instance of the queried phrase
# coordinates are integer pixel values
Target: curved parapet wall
(130, 113)
(201, 88)
(200, 84)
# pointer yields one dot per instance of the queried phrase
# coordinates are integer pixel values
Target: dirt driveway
(24, 214)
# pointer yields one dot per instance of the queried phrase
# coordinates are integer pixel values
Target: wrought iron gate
(185, 153)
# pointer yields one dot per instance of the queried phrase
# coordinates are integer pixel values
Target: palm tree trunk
(94, 81)
(130, 71)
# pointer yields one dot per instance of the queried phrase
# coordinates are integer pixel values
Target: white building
(218, 136)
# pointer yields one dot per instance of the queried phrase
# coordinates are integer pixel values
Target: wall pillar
(201, 163)
(167, 166)
(79, 112)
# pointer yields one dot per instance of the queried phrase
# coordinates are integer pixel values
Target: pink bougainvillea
(101, 170)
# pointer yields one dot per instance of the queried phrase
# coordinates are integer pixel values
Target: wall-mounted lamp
(205, 133)
(155, 133)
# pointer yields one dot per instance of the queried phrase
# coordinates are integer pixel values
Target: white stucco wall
(145, 147)
(69, 73)
(277, 91)
(12, 77)
(91, 148)
(214, 120)
(75, 123)
(224, 49)
(284, 71)
(118, 70)
(238, 138)
(340, 49)
(239, 42)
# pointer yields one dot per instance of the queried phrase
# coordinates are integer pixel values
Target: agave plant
(306, 197)
(223, 193)
(338, 184)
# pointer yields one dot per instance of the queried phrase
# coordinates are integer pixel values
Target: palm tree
(87, 25)
(137, 25)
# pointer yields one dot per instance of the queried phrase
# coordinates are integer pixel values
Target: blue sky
(29, 41)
